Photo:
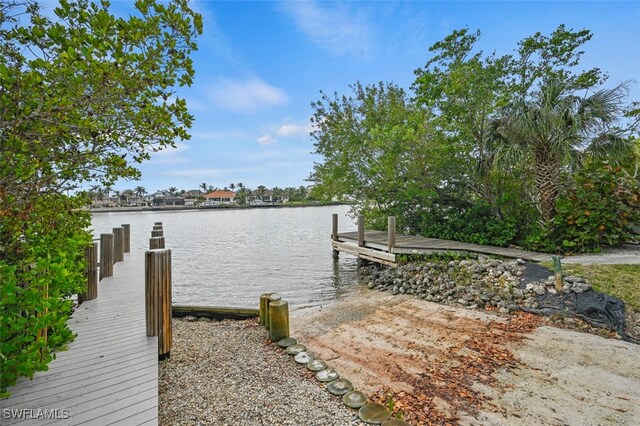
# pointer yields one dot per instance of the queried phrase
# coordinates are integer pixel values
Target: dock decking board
(410, 244)
(109, 373)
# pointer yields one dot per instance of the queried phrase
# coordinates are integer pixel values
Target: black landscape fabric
(598, 309)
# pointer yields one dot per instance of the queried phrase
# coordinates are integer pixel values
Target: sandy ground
(473, 367)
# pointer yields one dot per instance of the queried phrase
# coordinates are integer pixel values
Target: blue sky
(261, 64)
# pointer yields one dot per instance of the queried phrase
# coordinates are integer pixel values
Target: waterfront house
(221, 196)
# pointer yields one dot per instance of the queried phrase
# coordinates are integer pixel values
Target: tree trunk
(547, 182)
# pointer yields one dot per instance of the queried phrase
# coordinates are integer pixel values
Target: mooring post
(157, 223)
(106, 255)
(90, 273)
(156, 243)
(158, 298)
(127, 237)
(157, 233)
(273, 297)
(334, 233)
(157, 227)
(263, 308)
(118, 245)
(360, 231)
(278, 320)
(391, 233)
(557, 271)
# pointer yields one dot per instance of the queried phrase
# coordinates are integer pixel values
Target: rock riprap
(472, 283)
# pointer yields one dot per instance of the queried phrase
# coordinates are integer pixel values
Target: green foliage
(82, 99)
(479, 153)
(473, 225)
(599, 208)
(41, 266)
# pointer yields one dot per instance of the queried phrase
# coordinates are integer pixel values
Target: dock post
(156, 243)
(157, 233)
(158, 299)
(273, 297)
(157, 227)
(90, 273)
(157, 223)
(263, 308)
(106, 255)
(557, 271)
(334, 233)
(391, 233)
(360, 231)
(127, 237)
(278, 320)
(118, 245)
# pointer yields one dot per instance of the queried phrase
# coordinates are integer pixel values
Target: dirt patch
(439, 364)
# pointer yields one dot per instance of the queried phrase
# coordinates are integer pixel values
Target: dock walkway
(376, 247)
(109, 374)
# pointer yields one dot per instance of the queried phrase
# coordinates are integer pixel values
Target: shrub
(41, 266)
(598, 209)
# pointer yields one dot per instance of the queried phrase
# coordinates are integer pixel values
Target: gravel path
(227, 373)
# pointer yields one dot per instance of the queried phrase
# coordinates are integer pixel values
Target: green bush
(41, 266)
(598, 209)
(475, 224)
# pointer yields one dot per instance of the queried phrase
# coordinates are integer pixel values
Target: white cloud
(294, 130)
(266, 140)
(246, 96)
(337, 30)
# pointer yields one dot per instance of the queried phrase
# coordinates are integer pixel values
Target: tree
(204, 187)
(375, 144)
(173, 190)
(85, 96)
(140, 191)
(556, 127)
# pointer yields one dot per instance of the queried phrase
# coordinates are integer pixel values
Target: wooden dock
(383, 247)
(109, 374)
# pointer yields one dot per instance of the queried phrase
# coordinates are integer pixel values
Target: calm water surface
(230, 257)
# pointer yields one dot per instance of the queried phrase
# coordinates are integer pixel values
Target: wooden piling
(157, 233)
(263, 308)
(90, 273)
(273, 297)
(157, 223)
(106, 255)
(157, 227)
(158, 298)
(557, 271)
(360, 231)
(278, 320)
(334, 233)
(391, 233)
(156, 243)
(118, 245)
(127, 237)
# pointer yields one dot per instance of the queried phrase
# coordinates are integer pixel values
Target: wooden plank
(355, 250)
(217, 312)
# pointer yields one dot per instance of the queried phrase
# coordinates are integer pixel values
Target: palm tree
(173, 190)
(140, 191)
(556, 128)
(204, 187)
(232, 186)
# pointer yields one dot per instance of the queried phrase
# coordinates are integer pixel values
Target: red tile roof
(220, 194)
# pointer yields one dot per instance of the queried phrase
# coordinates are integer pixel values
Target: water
(230, 257)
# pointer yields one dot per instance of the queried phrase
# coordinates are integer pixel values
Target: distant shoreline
(220, 207)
